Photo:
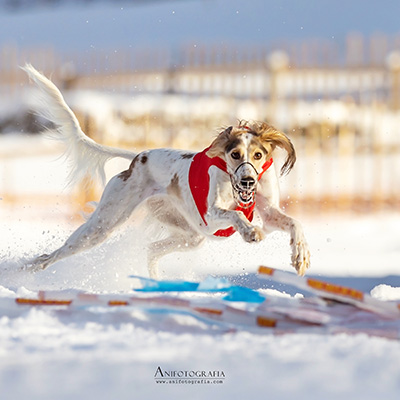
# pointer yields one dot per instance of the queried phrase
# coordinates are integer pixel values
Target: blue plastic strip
(210, 284)
(152, 285)
(240, 293)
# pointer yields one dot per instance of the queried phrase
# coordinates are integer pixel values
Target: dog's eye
(258, 155)
(235, 155)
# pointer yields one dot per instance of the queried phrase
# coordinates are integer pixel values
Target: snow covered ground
(56, 353)
(103, 353)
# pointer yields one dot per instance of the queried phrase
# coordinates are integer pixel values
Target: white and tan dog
(196, 195)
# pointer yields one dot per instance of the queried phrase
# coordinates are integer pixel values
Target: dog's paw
(31, 268)
(37, 264)
(300, 256)
(254, 234)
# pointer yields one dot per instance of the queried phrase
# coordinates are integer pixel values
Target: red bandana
(199, 182)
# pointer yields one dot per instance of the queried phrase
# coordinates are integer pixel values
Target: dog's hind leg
(182, 236)
(120, 198)
(175, 242)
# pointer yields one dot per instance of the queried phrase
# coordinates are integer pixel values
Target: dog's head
(246, 149)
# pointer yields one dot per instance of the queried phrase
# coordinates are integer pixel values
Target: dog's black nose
(247, 182)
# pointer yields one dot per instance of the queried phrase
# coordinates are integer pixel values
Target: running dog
(213, 193)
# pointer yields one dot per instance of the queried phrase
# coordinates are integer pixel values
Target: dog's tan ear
(217, 148)
(279, 139)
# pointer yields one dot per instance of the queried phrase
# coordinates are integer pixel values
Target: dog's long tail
(85, 155)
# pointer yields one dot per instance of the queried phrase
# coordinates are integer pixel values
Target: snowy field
(57, 353)
(61, 352)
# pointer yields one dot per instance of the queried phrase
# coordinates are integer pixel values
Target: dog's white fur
(159, 179)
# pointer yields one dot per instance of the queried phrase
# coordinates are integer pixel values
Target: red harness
(199, 182)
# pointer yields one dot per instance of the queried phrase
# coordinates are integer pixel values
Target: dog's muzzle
(244, 191)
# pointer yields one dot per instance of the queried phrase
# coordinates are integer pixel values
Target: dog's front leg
(237, 219)
(274, 218)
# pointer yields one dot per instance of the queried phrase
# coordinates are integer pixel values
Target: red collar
(199, 182)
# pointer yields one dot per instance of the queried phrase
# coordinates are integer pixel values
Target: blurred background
(142, 74)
